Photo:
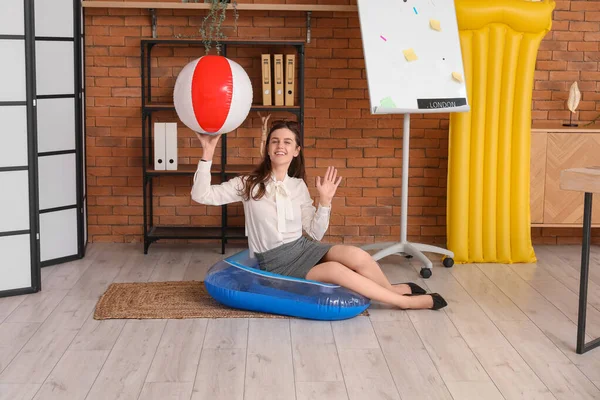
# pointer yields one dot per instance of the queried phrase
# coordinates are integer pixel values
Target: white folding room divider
(42, 175)
(59, 127)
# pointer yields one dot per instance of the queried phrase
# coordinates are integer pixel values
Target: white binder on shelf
(171, 145)
(159, 146)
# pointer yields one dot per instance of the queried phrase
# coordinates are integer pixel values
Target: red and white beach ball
(213, 95)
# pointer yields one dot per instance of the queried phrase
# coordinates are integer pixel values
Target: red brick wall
(570, 52)
(339, 130)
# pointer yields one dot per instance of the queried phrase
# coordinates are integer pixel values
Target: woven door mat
(167, 300)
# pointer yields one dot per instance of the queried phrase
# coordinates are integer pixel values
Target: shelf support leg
(308, 26)
(153, 17)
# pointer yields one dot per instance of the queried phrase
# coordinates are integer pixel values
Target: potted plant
(210, 30)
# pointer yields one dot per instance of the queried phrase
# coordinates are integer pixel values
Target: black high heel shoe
(438, 301)
(415, 289)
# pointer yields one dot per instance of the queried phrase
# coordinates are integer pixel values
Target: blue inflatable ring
(238, 283)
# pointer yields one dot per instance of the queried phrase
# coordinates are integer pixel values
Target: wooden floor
(509, 332)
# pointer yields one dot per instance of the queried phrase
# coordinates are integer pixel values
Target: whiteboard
(413, 57)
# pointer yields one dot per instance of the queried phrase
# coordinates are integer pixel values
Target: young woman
(278, 207)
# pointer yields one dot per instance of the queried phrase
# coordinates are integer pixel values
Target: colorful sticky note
(457, 77)
(387, 103)
(409, 54)
(435, 24)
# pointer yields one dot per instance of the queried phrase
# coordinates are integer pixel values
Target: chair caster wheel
(425, 273)
(448, 262)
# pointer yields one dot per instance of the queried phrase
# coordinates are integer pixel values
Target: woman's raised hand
(209, 143)
(328, 186)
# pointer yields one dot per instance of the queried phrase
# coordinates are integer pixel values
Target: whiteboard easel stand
(413, 62)
(405, 247)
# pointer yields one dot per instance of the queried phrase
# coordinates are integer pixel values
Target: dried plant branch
(210, 29)
(265, 132)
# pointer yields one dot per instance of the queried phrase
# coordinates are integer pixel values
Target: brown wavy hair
(262, 173)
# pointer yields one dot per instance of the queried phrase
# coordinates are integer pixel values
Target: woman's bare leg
(363, 263)
(336, 273)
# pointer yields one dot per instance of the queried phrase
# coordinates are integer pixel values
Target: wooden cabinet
(554, 148)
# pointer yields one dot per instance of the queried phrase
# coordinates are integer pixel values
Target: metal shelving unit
(223, 232)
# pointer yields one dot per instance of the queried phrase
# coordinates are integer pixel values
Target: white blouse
(275, 219)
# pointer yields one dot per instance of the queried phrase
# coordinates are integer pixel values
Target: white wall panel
(56, 124)
(58, 234)
(12, 18)
(54, 67)
(57, 181)
(14, 201)
(12, 73)
(13, 136)
(53, 18)
(15, 268)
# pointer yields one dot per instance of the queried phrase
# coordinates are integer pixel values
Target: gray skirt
(293, 259)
